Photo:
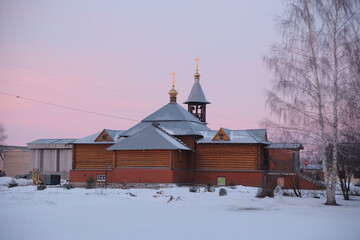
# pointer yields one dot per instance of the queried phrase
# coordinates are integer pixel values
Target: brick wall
(125, 175)
(253, 179)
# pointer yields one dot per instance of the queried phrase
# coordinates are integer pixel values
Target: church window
(221, 137)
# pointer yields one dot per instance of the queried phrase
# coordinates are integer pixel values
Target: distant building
(52, 156)
(14, 160)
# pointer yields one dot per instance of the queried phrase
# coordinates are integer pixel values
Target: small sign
(221, 181)
(101, 178)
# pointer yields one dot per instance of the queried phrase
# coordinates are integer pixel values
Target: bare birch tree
(312, 73)
(3, 137)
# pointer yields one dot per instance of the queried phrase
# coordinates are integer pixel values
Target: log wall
(91, 156)
(188, 140)
(149, 158)
(229, 156)
(182, 160)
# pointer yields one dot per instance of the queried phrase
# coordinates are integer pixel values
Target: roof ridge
(157, 125)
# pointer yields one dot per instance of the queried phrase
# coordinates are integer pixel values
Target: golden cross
(197, 63)
(173, 79)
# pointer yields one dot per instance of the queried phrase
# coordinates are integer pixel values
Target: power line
(66, 107)
(27, 70)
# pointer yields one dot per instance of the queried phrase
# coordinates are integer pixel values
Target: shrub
(41, 187)
(90, 182)
(13, 183)
(194, 189)
(265, 191)
(68, 185)
(222, 192)
(209, 188)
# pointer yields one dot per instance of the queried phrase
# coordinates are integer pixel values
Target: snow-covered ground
(57, 213)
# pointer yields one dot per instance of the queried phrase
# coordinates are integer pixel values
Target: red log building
(174, 145)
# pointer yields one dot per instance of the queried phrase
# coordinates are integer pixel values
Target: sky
(115, 57)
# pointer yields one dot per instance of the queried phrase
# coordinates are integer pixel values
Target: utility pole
(106, 177)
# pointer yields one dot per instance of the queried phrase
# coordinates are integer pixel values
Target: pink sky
(115, 58)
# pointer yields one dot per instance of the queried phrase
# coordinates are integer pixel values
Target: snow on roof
(313, 166)
(285, 146)
(53, 141)
(172, 127)
(171, 112)
(174, 119)
(150, 138)
(236, 136)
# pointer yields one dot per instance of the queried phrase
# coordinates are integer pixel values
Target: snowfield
(56, 213)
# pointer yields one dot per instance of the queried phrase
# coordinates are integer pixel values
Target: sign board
(101, 178)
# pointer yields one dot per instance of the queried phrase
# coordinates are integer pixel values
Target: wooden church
(174, 145)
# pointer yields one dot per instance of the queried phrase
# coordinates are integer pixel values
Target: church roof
(171, 112)
(115, 134)
(237, 136)
(174, 119)
(150, 138)
(197, 94)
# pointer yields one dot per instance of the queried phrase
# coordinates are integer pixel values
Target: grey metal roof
(112, 133)
(258, 133)
(285, 146)
(236, 136)
(174, 119)
(171, 112)
(150, 138)
(115, 134)
(197, 94)
(174, 128)
(312, 166)
(53, 141)
(227, 131)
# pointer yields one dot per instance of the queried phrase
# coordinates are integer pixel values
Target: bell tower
(197, 101)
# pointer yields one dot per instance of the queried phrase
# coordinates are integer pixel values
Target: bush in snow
(13, 183)
(209, 188)
(68, 185)
(41, 187)
(222, 192)
(265, 191)
(194, 189)
(355, 192)
(90, 182)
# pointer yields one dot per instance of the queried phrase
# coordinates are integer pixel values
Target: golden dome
(197, 74)
(173, 93)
